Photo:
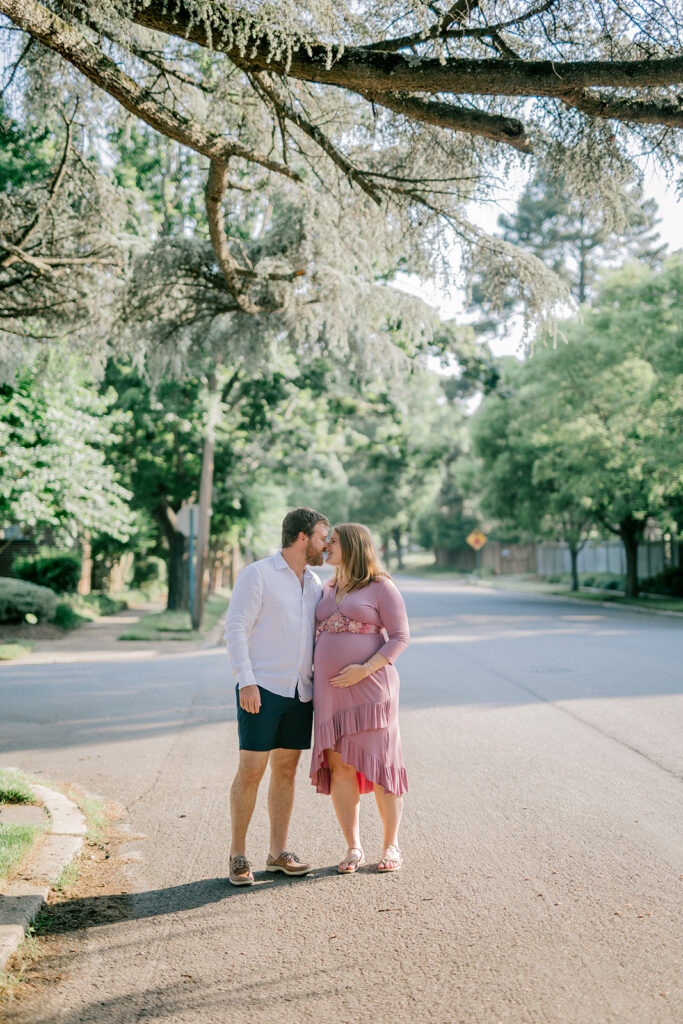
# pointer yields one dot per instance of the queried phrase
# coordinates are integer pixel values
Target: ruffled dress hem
(336, 734)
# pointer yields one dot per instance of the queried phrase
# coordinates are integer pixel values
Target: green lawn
(177, 625)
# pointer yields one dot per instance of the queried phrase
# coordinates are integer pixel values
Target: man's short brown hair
(300, 520)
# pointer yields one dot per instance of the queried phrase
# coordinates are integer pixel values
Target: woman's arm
(393, 617)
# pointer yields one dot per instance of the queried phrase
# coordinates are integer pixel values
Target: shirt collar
(281, 563)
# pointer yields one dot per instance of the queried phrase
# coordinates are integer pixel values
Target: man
(270, 631)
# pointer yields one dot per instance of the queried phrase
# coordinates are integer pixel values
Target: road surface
(543, 833)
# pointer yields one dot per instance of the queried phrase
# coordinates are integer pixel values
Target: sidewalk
(98, 641)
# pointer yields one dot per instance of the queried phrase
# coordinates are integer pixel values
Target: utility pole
(205, 490)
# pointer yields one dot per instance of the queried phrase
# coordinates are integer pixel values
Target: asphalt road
(543, 833)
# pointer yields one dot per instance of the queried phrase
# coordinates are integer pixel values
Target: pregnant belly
(334, 651)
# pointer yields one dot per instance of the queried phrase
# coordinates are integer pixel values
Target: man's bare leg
(283, 765)
(243, 796)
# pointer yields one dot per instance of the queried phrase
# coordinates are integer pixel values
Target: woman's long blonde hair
(360, 563)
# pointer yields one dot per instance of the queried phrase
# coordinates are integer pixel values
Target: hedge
(19, 599)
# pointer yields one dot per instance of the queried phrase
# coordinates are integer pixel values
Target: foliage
(60, 573)
(588, 432)
(19, 599)
(62, 249)
(77, 609)
(367, 130)
(574, 238)
(66, 617)
(668, 582)
(53, 468)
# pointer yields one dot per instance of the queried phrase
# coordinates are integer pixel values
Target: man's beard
(313, 557)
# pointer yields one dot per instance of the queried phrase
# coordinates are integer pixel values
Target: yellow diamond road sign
(476, 539)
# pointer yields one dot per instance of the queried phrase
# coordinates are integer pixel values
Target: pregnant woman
(361, 629)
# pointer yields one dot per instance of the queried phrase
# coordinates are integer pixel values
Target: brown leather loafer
(240, 871)
(288, 863)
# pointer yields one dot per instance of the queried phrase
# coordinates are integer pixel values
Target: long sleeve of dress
(392, 613)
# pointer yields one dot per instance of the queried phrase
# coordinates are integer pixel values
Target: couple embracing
(357, 623)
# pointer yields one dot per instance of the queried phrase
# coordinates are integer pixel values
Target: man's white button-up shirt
(270, 627)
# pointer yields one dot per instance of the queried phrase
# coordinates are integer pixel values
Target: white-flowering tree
(405, 111)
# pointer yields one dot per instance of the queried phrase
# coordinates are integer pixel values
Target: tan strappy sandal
(392, 859)
(354, 860)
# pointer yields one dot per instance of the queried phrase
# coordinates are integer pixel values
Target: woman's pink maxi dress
(360, 722)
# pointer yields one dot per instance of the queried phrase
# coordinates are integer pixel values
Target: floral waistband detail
(338, 623)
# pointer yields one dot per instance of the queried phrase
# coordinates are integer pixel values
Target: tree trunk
(178, 582)
(574, 555)
(630, 531)
(396, 534)
(84, 584)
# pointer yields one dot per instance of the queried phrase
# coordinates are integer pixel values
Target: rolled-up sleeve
(392, 614)
(243, 611)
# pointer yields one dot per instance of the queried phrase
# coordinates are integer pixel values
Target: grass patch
(67, 877)
(177, 625)
(27, 951)
(15, 842)
(13, 649)
(97, 819)
(14, 788)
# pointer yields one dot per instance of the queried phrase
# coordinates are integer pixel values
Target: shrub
(67, 617)
(587, 581)
(60, 573)
(615, 583)
(668, 582)
(19, 599)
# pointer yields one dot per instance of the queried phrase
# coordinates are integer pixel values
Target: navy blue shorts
(280, 722)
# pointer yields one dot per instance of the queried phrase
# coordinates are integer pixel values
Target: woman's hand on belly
(350, 675)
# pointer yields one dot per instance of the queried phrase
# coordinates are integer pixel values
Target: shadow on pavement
(93, 911)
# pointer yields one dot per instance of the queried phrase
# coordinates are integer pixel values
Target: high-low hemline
(394, 780)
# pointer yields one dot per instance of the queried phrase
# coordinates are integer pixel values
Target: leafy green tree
(532, 461)
(589, 431)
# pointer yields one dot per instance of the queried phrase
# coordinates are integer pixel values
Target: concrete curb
(22, 899)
